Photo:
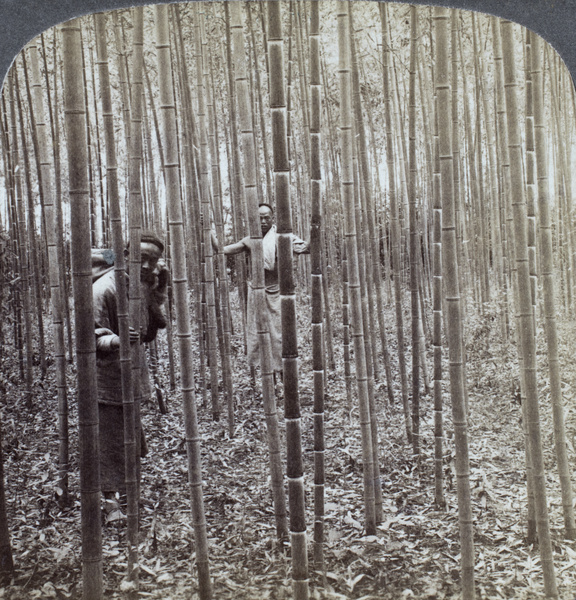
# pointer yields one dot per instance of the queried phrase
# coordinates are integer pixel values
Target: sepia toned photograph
(287, 294)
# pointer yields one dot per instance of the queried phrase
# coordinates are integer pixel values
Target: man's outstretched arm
(299, 246)
(235, 248)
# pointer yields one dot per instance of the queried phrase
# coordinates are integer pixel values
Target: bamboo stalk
(224, 292)
(295, 467)
(75, 116)
(394, 216)
(14, 233)
(453, 302)
(126, 372)
(526, 322)
(317, 276)
(245, 123)
(347, 189)
(236, 188)
(180, 282)
(205, 192)
(21, 251)
(131, 405)
(510, 248)
(548, 292)
(62, 255)
(348, 375)
(414, 238)
(36, 266)
(371, 243)
(439, 498)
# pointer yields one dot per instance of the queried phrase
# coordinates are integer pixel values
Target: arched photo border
(22, 20)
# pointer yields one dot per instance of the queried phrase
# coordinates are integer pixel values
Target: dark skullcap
(265, 204)
(149, 237)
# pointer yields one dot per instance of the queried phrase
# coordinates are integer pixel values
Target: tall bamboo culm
(115, 217)
(317, 280)
(205, 194)
(48, 193)
(395, 233)
(75, 119)
(281, 166)
(348, 375)
(21, 250)
(180, 283)
(347, 191)
(504, 153)
(452, 300)
(236, 188)
(369, 277)
(414, 237)
(35, 253)
(246, 127)
(527, 338)
(131, 403)
(437, 325)
(58, 192)
(548, 291)
(223, 284)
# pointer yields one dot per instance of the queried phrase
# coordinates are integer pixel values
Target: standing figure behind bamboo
(154, 277)
(269, 248)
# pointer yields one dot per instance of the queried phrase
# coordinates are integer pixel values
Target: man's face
(266, 219)
(149, 255)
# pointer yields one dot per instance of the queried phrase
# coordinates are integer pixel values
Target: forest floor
(415, 553)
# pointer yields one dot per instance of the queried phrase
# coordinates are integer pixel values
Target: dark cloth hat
(151, 238)
(148, 236)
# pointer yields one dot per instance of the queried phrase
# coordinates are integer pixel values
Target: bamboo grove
(421, 151)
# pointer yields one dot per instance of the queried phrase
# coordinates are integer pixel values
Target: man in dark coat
(154, 279)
